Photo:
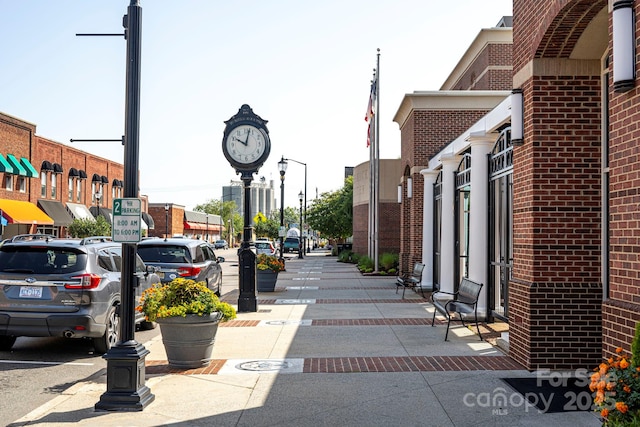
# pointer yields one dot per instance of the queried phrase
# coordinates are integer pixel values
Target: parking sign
(126, 220)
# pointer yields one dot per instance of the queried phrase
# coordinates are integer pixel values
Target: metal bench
(463, 303)
(412, 281)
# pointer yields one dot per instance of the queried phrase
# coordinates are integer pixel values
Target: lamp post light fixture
(282, 167)
(166, 221)
(301, 247)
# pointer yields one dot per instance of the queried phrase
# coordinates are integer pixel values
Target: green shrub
(365, 263)
(389, 260)
(635, 348)
(344, 256)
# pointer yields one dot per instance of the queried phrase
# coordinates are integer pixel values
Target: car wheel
(110, 337)
(6, 342)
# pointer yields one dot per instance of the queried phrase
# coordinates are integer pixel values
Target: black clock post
(246, 145)
(247, 301)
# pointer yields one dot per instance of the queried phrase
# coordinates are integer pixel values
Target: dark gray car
(64, 288)
(187, 258)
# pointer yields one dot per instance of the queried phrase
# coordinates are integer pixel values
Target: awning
(17, 167)
(17, 212)
(73, 172)
(149, 220)
(195, 226)
(46, 166)
(96, 178)
(31, 171)
(56, 210)
(79, 211)
(57, 168)
(103, 212)
(104, 179)
(83, 174)
(5, 166)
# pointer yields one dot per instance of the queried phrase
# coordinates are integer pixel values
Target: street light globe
(300, 196)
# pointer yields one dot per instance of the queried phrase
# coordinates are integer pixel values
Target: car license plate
(30, 292)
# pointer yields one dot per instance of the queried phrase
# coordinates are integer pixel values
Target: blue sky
(305, 67)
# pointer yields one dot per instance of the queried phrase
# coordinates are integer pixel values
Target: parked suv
(64, 288)
(188, 258)
(221, 244)
(291, 244)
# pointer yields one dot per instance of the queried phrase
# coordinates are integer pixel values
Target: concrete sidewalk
(329, 347)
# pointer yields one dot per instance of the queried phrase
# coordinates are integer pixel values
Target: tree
(332, 213)
(89, 227)
(227, 210)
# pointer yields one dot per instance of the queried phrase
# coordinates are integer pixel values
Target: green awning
(17, 167)
(31, 171)
(5, 166)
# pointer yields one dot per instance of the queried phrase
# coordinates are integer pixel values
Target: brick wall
(491, 70)
(69, 157)
(621, 308)
(388, 228)
(555, 296)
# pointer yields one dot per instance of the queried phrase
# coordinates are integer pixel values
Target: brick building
(535, 196)
(46, 184)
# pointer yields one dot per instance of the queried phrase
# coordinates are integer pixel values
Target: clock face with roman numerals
(246, 144)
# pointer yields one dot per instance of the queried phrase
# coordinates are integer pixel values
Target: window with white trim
(43, 184)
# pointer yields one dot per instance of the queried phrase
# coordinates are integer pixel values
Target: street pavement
(330, 347)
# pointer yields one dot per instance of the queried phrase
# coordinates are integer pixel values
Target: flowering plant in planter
(181, 297)
(616, 388)
(269, 262)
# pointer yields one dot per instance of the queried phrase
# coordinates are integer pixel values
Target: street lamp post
(206, 235)
(301, 247)
(305, 197)
(166, 221)
(282, 167)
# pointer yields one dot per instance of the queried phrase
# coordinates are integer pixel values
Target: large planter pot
(188, 341)
(266, 280)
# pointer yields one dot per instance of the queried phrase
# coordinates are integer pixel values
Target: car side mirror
(220, 259)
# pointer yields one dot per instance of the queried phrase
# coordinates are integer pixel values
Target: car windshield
(263, 245)
(40, 260)
(170, 254)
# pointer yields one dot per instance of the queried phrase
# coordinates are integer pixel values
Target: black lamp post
(206, 235)
(301, 247)
(305, 201)
(166, 221)
(282, 167)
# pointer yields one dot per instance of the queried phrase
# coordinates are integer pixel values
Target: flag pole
(371, 137)
(377, 167)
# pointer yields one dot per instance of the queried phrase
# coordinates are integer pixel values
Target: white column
(447, 246)
(478, 233)
(429, 177)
